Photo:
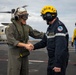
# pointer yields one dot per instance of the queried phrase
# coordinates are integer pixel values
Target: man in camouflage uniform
(18, 34)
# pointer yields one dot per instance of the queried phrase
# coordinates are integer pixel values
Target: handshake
(29, 46)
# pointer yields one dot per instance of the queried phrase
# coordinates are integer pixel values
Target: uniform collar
(14, 21)
(54, 24)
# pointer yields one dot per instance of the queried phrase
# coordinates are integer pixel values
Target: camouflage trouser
(17, 66)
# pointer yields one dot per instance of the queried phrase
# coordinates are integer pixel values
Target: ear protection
(16, 17)
(19, 14)
(49, 16)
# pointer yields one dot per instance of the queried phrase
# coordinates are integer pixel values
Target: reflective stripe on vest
(57, 34)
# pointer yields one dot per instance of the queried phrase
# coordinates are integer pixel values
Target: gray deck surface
(37, 61)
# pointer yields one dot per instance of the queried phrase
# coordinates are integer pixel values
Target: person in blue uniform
(56, 42)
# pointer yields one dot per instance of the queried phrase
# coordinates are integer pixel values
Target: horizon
(66, 12)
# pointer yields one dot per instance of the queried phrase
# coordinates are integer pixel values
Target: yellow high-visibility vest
(74, 35)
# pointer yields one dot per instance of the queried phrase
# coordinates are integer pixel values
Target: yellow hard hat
(48, 8)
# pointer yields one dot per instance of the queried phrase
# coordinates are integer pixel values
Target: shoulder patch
(60, 28)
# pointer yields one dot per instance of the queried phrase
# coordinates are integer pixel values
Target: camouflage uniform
(18, 56)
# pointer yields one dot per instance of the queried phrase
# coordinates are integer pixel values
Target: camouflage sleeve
(10, 35)
(35, 33)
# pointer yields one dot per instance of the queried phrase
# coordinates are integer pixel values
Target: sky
(66, 10)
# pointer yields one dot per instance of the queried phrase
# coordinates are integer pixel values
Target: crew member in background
(18, 34)
(73, 43)
(56, 41)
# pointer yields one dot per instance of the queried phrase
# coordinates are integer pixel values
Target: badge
(60, 28)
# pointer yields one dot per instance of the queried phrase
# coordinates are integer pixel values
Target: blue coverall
(56, 42)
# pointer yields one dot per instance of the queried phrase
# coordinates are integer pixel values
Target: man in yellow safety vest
(74, 38)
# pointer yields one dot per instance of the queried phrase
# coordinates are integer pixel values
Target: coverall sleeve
(10, 35)
(73, 38)
(35, 33)
(61, 46)
(41, 44)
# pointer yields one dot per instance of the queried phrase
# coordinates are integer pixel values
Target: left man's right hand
(29, 46)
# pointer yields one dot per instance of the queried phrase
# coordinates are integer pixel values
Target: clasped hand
(29, 46)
